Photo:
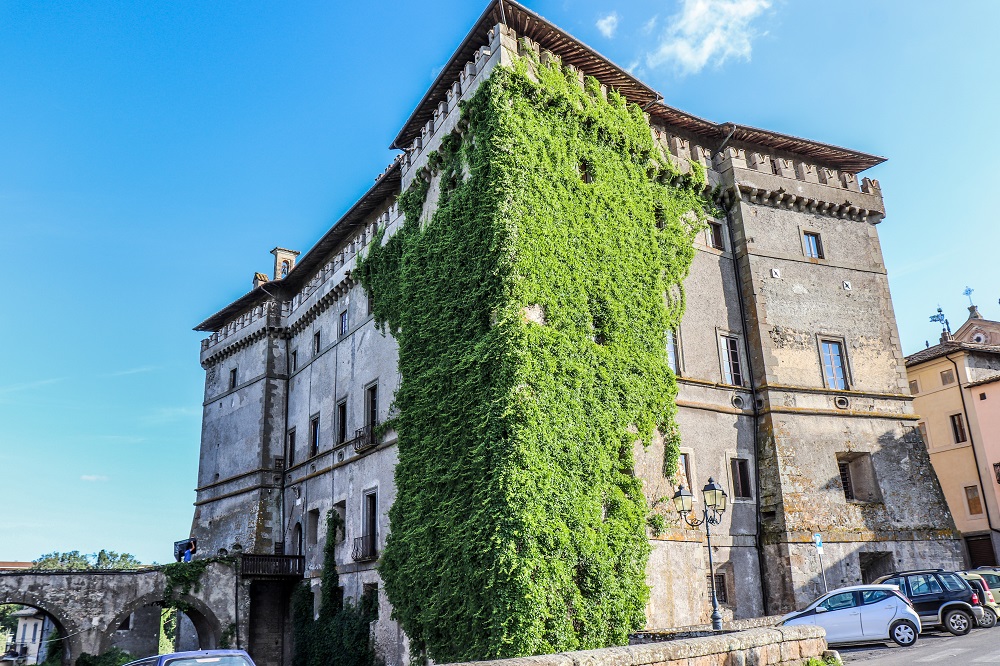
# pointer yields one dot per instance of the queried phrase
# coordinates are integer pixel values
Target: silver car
(862, 613)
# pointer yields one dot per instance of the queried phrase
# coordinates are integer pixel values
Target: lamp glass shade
(682, 500)
(714, 494)
(722, 502)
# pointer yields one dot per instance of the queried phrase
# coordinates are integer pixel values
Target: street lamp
(715, 501)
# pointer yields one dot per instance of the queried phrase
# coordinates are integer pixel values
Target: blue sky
(151, 154)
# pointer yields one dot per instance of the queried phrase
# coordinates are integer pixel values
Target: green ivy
(531, 307)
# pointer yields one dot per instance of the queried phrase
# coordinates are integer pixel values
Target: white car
(862, 613)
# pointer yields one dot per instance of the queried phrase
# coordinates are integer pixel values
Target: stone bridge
(89, 606)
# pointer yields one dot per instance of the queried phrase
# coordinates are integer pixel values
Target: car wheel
(989, 618)
(958, 622)
(903, 633)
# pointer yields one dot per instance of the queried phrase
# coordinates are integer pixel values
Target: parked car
(991, 575)
(991, 610)
(862, 613)
(941, 598)
(197, 658)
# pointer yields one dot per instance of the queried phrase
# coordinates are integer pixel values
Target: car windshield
(222, 660)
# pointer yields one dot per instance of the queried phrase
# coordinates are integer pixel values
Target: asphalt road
(981, 646)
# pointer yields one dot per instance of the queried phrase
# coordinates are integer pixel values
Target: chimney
(284, 262)
(259, 279)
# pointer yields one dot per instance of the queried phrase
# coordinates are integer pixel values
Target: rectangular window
(813, 245)
(720, 588)
(291, 447)
(369, 598)
(684, 470)
(371, 405)
(845, 479)
(914, 387)
(295, 360)
(947, 377)
(958, 428)
(973, 500)
(672, 357)
(34, 631)
(312, 527)
(731, 365)
(314, 436)
(833, 364)
(316, 342)
(715, 234)
(741, 478)
(368, 302)
(341, 422)
(343, 323)
(922, 428)
(232, 379)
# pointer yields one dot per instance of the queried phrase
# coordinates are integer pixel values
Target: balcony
(365, 438)
(364, 548)
(272, 566)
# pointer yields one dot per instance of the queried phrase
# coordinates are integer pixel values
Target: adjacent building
(793, 389)
(956, 389)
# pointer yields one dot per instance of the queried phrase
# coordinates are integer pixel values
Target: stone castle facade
(793, 391)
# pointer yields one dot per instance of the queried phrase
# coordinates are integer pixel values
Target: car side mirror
(820, 609)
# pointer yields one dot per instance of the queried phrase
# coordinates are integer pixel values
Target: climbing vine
(531, 307)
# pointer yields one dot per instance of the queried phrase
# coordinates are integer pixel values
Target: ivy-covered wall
(530, 307)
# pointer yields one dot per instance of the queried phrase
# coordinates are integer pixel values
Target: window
(341, 422)
(343, 323)
(313, 435)
(291, 447)
(974, 502)
(741, 478)
(813, 245)
(672, 356)
(34, 631)
(914, 387)
(857, 476)
(295, 360)
(316, 342)
(947, 377)
(923, 584)
(586, 172)
(922, 429)
(952, 582)
(684, 470)
(284, 268)
(369, 598)
(371, 405)
(312, 527)
(126, 624)
(368, 303)
(731, 366)
(232, 379)
(839, 602)
(715, 235)
(874, 596)
(833, 364)
(720, 588)
(982, 396)
(958, 428)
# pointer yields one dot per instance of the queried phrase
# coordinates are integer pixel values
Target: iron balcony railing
(365, 438)
(364, 548)
(272, 566)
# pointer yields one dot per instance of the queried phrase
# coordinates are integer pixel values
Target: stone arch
(72, 645)
(206, 623)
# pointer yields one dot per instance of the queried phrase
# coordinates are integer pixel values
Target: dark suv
(941, 598)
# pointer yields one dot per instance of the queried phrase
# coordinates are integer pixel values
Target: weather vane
(968, 292)
(939, 318)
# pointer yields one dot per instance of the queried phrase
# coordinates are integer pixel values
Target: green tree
(8, 623)
(74, 560)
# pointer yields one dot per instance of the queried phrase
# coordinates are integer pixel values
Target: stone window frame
(369, 491)
(233, 377)
(859, 462)
(721, 334)
(732, 455)
(341, 421)
(821, 246)
(315, 434)
(710, 228)
(290, 446)
(954, 431)
(373, 384)
(312, 526)
(845, 359)
(343, 323)
(690, 472)
(678, 351)
(293, 361)
(968, 507)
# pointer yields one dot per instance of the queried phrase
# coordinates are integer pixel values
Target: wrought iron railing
(364, 548)
(365, 438)
(272, 566)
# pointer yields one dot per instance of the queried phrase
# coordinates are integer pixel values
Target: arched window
(297, 538)
(284, 268)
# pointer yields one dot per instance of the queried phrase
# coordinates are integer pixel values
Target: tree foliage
(74, 560)
(531, 307)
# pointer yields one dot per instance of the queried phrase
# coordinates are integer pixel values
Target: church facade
(793, 391)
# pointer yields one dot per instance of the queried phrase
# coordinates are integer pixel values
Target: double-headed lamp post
(715, 505)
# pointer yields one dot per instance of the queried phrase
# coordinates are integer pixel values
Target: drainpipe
(753, 396)
(972, 444)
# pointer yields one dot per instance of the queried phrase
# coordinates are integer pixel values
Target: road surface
(981, 646)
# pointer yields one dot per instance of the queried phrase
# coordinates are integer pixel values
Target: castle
(792, 389)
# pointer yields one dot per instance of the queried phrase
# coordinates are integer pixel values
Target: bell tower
(284, 261)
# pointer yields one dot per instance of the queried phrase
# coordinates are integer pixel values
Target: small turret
(284, 262)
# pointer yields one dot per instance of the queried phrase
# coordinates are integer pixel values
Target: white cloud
(93, 477)
(708, 32)
(608, 25)
(131, 371)
(650, 25)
